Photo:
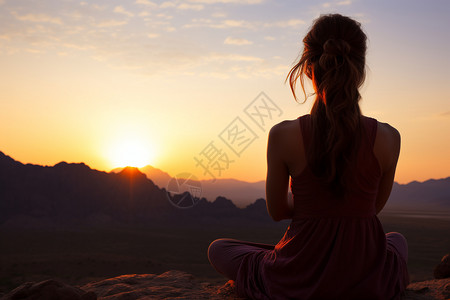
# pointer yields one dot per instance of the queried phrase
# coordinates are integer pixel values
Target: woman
(341, 165)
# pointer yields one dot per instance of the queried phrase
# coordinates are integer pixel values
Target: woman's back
(341, 167)
(381, 149)
(334, 248)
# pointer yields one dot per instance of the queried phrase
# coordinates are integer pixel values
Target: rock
(169, 285)
(446, 291)
(48, 290)
(173, 285)
(442, 270)
(430, 289)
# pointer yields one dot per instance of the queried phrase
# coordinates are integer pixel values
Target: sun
(131, 152)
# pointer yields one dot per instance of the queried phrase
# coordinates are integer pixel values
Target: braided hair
(334, 59)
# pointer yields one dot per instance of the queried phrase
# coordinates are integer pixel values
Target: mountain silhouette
(74, 194)
(432, 195)
(242, 193)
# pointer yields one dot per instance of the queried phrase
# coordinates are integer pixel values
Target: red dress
(332, 249)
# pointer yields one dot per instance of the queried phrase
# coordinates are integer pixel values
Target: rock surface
(168, 285)
(175, 285)
(442, 270)
(49, 290)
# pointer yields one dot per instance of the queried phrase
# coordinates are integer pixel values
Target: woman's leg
(226, 254)
(398, 241)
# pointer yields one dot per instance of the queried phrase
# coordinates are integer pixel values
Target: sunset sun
(131, 152)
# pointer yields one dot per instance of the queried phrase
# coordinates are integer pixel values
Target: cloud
(225, 24)
(445, 114)
(219, 15)
(186, 6)
(35, 51)
(228, 1)
(167, 4)
(239, 42)
(111, 23)
(230, 23)
(269, 38)
(233, 57)
(284, 24)
(164, 16)
(235, 23)
(146, 2)
(339, 3)
(152, 35)
(38, 18)
(121, 10)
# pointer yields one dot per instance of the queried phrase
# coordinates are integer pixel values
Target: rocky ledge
(174, 285)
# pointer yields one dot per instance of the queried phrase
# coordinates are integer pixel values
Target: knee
(398, 237)
(216, 248)
(399, 242)
(213, 249)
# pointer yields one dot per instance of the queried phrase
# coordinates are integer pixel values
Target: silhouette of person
(340, 167)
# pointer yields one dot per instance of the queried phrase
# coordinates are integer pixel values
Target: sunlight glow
(131, 152)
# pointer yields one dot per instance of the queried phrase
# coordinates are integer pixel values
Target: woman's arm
(277, 180)
(387, 150)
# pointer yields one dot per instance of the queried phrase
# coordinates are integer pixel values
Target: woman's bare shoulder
(284, 127)
(388, 134)
(387, 145)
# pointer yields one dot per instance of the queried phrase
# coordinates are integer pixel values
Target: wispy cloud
(153, 47)
(235, 41)
(233, 57)
(111, 23)
(445, 114)
(228, 1)
(39, 18)
(147, 3)
(121, 10)
(232, 23)
(235, 23)
(224, 24)
(77, 46)
(347, 2)
(187, 6)
(167, 4)
(219, 15)
(338, 3)
(284, 24)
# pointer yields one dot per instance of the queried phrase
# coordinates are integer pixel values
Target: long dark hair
(334, 59)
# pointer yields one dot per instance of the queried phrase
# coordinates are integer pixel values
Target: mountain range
(242, 193)
(73, 193)
(432, 195)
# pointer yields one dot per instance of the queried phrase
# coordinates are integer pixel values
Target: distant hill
(432, 195)
(242, 193)
(74, 194)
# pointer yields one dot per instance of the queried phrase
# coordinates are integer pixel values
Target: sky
(194, 86)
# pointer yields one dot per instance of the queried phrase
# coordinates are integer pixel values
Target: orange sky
(163, 83)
